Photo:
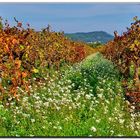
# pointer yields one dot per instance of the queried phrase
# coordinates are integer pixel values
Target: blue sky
(73, 17)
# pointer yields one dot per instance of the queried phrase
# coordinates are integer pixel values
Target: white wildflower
(87, 96)
(32, 120)
(112, 132)
(121, 121)
(93, 129)
(100, 95)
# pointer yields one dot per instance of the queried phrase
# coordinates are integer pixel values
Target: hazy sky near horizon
(73, 17)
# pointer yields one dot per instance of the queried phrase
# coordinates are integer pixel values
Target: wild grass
(82, 100)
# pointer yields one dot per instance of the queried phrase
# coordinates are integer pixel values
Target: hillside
(101, 36)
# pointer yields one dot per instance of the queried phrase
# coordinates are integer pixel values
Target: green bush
(92, 71)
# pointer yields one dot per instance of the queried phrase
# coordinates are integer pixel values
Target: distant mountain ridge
(101, 36)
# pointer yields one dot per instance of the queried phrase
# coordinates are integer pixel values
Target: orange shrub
(24, 51)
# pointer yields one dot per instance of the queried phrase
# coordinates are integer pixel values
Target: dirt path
(89, 57)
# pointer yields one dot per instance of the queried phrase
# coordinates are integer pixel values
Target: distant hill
(101, 36)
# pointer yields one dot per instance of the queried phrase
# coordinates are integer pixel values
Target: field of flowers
(53, 86)
(86, 99)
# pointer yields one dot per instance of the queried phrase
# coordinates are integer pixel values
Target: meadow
(52, 86)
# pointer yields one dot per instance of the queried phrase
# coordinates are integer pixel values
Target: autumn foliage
(124, 51)
(24, 51)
